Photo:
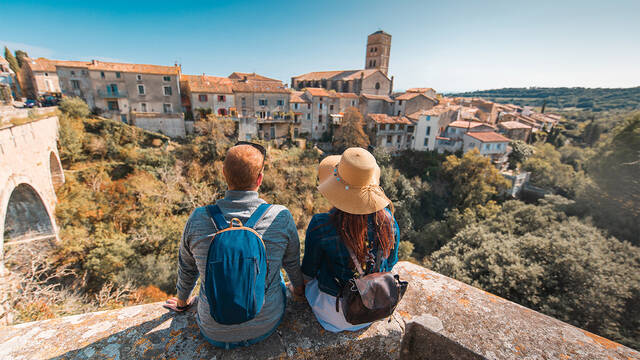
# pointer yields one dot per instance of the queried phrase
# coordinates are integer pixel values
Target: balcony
(112, 94)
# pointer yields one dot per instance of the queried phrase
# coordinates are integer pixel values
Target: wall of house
(251, 104)
(85, 92)
(212, 102)
(46, 82)
(418, 103)
(369, 84)
(489, 148)
(172, 125)
(305, 121)
(420, 134)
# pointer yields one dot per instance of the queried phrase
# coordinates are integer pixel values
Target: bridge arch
(26, 214)
(57, 174)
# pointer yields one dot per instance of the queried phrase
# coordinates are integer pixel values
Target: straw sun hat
(351, 182)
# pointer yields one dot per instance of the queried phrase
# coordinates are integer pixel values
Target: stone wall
(172, 125)
(439, 318)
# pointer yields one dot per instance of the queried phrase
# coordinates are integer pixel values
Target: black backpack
(370, 297)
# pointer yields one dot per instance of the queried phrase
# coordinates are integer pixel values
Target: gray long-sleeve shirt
(278, 231)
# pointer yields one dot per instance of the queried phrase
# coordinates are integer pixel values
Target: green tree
(21, 55)
(472, 179)
(13, 63)
(520, 151)
(350, 133)
(74, 107)
(536, 256)
(548, 171)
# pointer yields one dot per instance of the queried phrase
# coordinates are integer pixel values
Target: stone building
(451, 139)
(411, 102)
(375, 104)
(390, 132)
(39, 77)
(370, 81)
(207, 93)
(488, 143)
(300, 106)
(378, 51)
(266, 101)
(429, 125)
(515, 130)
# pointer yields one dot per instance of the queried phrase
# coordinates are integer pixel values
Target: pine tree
(20, 56)
(13, 63)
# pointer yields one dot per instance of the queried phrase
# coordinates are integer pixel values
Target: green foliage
(536, 256)
(548, 171)
(13, 62)
(597, 99)
(74, 107)
(21, 55)
(70, 137)
(350, 133)
(520, 151)
(473, 179)
(405, 250)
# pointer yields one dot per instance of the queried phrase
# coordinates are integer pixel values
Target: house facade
(489, 144)
(429, 125)
(451, 139)
(393, 133)
(515, 130)
(211, 94)
(411, 102)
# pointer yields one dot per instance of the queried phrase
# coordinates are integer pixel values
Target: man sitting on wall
(242, 295)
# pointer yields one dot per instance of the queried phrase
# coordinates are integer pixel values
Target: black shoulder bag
(371, 297)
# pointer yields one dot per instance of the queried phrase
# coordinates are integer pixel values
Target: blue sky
(448, 45)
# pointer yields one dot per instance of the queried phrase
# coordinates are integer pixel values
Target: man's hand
(178, 305)
(297, 293)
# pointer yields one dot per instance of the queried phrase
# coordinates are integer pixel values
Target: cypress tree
(13, 63)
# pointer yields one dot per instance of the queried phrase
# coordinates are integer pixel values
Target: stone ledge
(444, 319)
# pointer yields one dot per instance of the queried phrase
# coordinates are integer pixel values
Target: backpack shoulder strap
(218, 219)
(257, 215)
(356, 263)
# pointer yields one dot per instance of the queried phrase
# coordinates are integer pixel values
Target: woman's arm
(312, 253)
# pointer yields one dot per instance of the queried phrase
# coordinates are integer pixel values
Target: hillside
(595, 99)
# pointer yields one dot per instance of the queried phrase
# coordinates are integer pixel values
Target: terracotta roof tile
(208, 84)
(259, 86)
(513, 125)
(377, 97)
(250, 76)
(386, 119)
(420, 90)
(335, 75)
(297, 97)
(466, 124)
(320, 92)
(488, 136)
(347, 95)
(43, 64)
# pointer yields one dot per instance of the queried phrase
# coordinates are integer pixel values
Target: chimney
(244, 78)
(94, 62)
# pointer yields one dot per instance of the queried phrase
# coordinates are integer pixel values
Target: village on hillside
(163, 99)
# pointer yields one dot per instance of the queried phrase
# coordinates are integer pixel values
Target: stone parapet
(443, 319)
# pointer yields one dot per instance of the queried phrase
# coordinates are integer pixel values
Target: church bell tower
(378, 51)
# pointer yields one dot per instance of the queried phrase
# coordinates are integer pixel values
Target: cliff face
(439, 318)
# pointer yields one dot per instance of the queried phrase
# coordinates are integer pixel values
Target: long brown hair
(353, 232)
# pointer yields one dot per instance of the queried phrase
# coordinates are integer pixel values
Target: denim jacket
(327, 258)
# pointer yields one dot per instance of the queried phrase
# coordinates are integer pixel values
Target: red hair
(353, 232)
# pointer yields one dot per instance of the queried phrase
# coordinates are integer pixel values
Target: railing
(112, 94)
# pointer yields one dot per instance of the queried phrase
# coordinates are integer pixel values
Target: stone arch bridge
(30, 173)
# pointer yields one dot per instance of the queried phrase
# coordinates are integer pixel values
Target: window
(320, 106)
(486, 146)
(166, 78)
(308, 116)
(83, 72)
(75, 84)
(46, 74)
(309, 106)
(117, 75)
(377, 86)
(408, 138)
(499, 146)
(73, 72)
(472, 144)
(280, 102)
(139, 77)
(320, 118)
(330, 107)
(244, 102)
(399, 139)
(428, 117)
(399, 112)
(102, 74)
(353, 103)
(202, 98)
(141, 89)
(112, 105)
(262, 102)
(143, 107)
(428, 130)
(123, 117)
(222, 98)
(389, 139)
(399, 102)
(262, 114)
(166, 108)
(374, 63)
(387, 127)
(295, 106)
(410, 128)
(426, 141)
(167, 90)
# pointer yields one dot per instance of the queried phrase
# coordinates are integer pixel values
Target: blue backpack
(236, 268)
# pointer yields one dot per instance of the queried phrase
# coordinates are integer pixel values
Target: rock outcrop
(439, 318)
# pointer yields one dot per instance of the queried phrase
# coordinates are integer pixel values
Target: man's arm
(187, 269)
(291, 259)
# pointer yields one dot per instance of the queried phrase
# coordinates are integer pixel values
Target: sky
(449, 45)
